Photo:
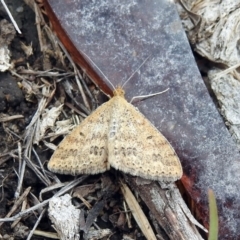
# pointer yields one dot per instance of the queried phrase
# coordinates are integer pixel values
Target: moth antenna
(98, 69)
(149, 95)
(136, 70)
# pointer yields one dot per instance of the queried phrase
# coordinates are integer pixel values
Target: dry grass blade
(36, 224)
(65, 189)
(137, 212)
(6, 156)
(46, 234)
(24, 206)
(51, 188)
(41, 176)
(11, 17)
(17, 203)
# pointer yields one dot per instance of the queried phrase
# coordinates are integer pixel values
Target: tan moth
(117, 135)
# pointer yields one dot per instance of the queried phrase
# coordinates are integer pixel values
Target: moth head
(119, 92)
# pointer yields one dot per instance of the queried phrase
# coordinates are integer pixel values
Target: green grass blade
(213, 216)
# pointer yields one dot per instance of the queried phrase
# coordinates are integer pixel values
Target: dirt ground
(13, 102)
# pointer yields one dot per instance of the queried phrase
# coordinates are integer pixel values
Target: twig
(127, 215)
(2, 186)
(68, 88)
(166, 208)
(46, 73)
(75, 109)
(19, 158)
(38, 24)
(13, 133)
(17, 75)
(10, 118)
(20, 164)
(20, 179)
(6, 156)
(84, 85)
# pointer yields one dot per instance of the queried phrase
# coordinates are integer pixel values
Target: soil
(13, 102)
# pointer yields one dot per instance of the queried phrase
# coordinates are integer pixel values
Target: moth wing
(84, 150)
(138, 148)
